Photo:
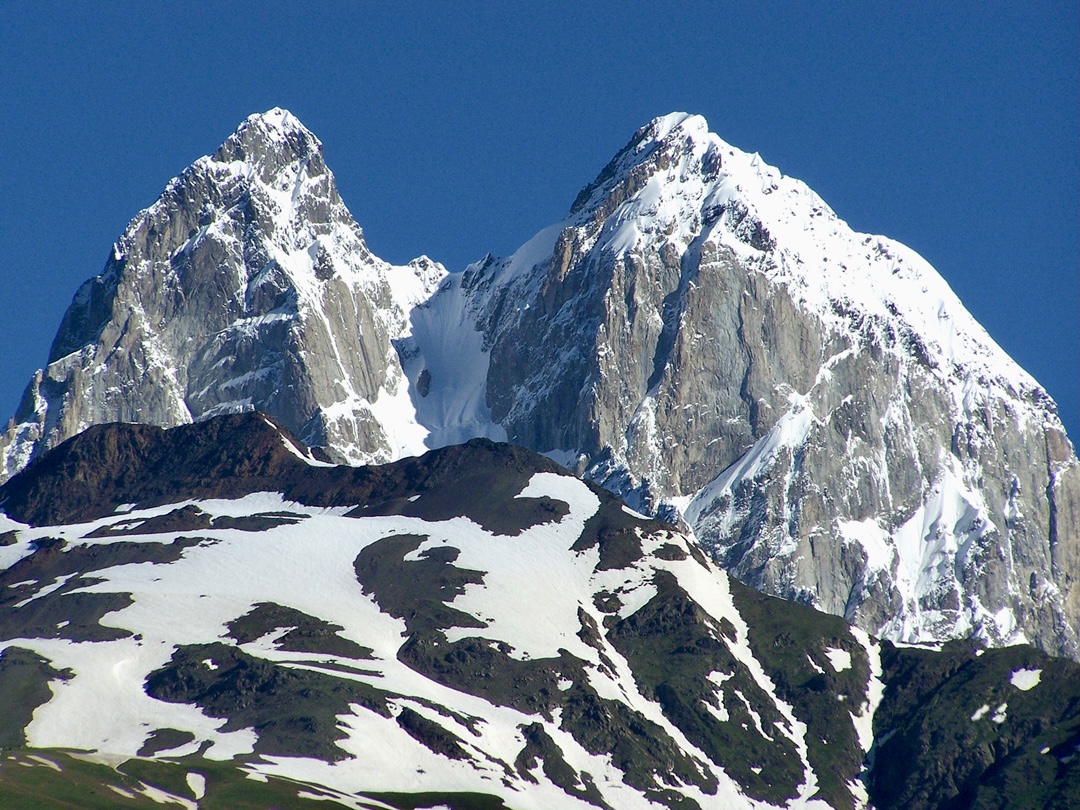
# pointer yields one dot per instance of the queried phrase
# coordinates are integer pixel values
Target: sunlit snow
(1025, 679)
(840, 659)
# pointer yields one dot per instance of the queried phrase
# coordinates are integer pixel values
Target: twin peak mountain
(701, 335)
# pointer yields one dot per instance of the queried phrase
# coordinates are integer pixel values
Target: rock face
(701, 335)
(246, 285)
(705, 337)
(473, 628)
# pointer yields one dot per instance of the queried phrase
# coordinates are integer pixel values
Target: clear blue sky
(459, 128)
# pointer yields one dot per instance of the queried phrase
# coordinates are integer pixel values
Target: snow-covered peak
(428, 272)
(833, 270)
(275, 124)
(280, 119)
(701, 329)
(273, 143)
(676, 181)
(660, 128)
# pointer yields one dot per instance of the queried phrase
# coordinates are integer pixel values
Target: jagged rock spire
(246, 285)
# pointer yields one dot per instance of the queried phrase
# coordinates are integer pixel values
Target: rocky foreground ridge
(701, 335)
(214, 615)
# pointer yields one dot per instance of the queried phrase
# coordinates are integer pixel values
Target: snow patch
(863, 722)
(840, 659)
(1026, 679)
(197, 783)
(999, 713)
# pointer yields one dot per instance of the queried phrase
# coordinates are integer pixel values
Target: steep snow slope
(446, 362)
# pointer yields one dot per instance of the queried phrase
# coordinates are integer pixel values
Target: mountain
(704, 337)
(701, 335)
(248, 283)
(212, 615)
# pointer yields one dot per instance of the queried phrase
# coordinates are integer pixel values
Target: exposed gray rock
(701, 335)
(247, 285)
(706, 338)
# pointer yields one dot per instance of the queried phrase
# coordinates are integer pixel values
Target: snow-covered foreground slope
(213, 605)
(701, 335)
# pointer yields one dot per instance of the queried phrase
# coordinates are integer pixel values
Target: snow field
(191, 601)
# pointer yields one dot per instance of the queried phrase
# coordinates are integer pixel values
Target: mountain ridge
(673, 287)
(701, 335)
(419, 672)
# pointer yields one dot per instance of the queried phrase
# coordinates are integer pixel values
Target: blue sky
(459, 128)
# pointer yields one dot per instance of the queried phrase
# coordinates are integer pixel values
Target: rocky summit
(247, 284)
(216, 616)
(706, 338)
(701, 335)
